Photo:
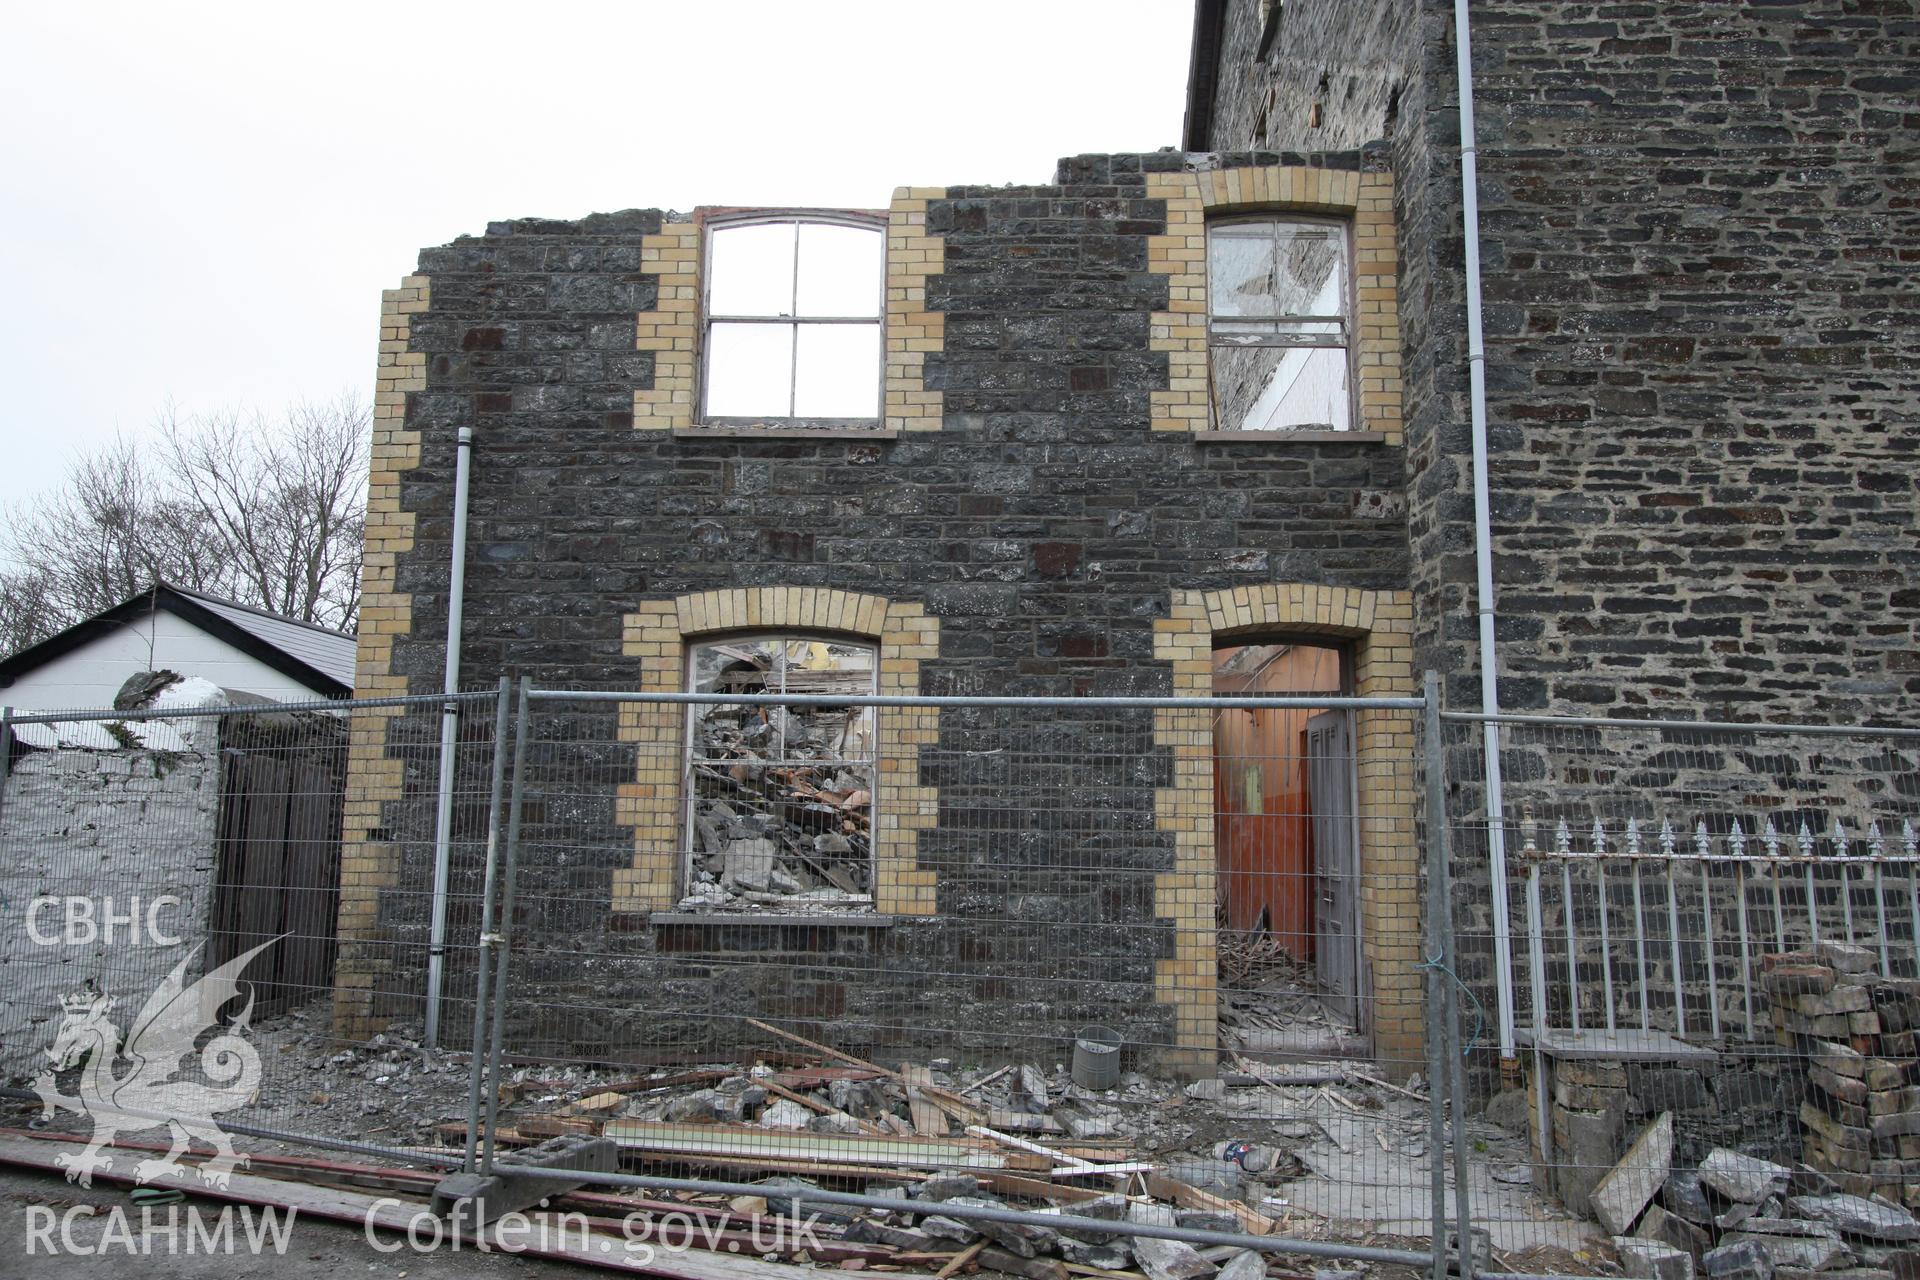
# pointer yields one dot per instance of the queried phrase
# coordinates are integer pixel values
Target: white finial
(1633, 837)
(1737, 840)
(1770, 837)
(1805, 840)
(1563, 838)
(1598, 837)
(1702, 843)
(1668, 844)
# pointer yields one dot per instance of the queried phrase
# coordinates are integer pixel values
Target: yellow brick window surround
(1378, 626)
(671, 331)
(1362, 200)
(658, 636)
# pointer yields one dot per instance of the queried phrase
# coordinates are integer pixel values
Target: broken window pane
(1279, 298)
(780, 797)
(1277, 269)
(1274, 388)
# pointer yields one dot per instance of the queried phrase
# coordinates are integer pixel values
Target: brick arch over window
(657, 636)
(1378, 626)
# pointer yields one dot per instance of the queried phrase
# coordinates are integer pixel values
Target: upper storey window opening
(792, 321)
(1279, 324)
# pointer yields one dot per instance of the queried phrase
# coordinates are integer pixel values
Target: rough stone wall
(1045, 526)
(1694, 220)
(1697, 228)
(112, 827)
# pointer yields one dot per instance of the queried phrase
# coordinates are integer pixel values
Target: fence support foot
(475, 1199)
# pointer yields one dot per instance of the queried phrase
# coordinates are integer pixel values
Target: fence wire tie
(1439, 966)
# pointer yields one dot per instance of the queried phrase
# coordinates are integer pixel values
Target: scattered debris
(783, 795)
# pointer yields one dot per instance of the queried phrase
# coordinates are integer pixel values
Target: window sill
(786, 433)
(773, 919)
(1289, 437)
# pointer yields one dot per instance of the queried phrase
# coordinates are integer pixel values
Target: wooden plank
(816, 1105)
(1012, 1184)
(383, 1213)
(1186, 1196)
(927, 1118)
(817, 1047)
(738, 1141)
(960, 1260)
(815, 1077)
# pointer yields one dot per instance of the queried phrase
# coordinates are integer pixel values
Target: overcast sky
(202, 202)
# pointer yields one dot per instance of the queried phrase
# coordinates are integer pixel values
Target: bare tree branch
(266, 512)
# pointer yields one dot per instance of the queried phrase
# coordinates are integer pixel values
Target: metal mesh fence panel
(1061, 948)
(209, 906)
(1712, 940)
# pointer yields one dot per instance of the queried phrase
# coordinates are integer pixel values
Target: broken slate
(1221, 1177)
(948, 1186)
(1652, 1260)
(1743, 1179)
(1619, 1197)
(1022, 1238)
(1856, 1216)
(1170, 1259)
(1657, 1223)
(1108, 1255)
(785, 1114)
(1803, 1253)
(948, 1229)
(1244, 1265)
(1683, 1198)
(1743, 1261)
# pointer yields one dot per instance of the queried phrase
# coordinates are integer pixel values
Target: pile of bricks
(1858, 1030)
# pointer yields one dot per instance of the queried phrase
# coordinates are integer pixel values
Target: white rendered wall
(90, 675)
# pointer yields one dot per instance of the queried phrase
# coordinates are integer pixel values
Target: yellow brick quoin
(373, 779)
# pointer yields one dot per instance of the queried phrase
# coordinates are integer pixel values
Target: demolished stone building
(1088, 436)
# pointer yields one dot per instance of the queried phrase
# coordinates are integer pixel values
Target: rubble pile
(927, 1137)
(782, 795)
(1738, 1217)
(1860, 1032)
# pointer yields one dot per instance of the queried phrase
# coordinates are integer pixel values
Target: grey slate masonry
(1045, 525)
(1699, 230)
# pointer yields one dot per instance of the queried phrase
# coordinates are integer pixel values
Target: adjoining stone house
(1093, 435)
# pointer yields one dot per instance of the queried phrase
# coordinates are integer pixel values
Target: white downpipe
(449, 740)
(1483, 534)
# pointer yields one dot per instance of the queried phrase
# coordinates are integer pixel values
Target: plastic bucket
(1096, 1058)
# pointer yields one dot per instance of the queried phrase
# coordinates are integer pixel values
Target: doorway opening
(1287, 854)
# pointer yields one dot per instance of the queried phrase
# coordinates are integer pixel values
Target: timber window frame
(826, 322)
(751, 774)
(1319, 393)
